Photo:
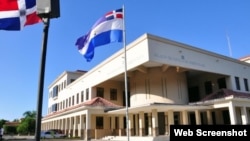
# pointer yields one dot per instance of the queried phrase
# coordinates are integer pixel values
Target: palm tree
(29, 114)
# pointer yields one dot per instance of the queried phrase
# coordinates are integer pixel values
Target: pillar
(149, 124)
(136, 125)
(232, 113)
(141, 124)
(166, 123)
(185, 117)
(121, 126)
(88, 126)
(170, 118)
(130, 124)
(244, 115)
(197, 117)
(209, 117)
(155, 129)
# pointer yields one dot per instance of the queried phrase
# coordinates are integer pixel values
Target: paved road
(32, 138)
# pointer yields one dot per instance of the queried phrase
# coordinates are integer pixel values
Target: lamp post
(46, 9)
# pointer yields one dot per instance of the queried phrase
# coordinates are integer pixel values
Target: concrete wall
(158, 86)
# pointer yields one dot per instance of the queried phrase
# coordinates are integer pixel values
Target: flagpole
(46, 22)
(125, 71)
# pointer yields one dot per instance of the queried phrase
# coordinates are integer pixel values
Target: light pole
(46, 9)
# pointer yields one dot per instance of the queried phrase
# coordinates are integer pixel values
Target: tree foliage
(10, 129)
(28, 123)
(2, 122)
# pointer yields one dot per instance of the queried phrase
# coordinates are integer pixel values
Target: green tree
(2, 122)
(27, 125)
(31, 114)
(10, 129)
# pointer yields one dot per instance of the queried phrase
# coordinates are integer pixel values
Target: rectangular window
(55, 91)
(73, 100)
(54, 107)
(82, 96)
(237, 82)
(72, 80)
(100, 92)
(222, 83)
(113, 94)
(246, 84)
(87, 94)
(77, 98)
(208, 87)
(66, 103)
(69, 101)
(63, 104)
(99, 122)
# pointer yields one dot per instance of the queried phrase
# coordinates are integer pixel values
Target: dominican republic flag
(15, 14)
(107, 29)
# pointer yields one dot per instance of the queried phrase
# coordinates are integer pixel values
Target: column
(70, 126)
(79, 127)
(130, 124)
(232, 114)
(197, 117)
(66, 127)
(155, 129)
(88, 125)
(218, 115)
(112, 124)
(121, 126)
(141, 124)
(209, 117)
(74, 125)
(63, 125)
(170, 119)
(185, 117)
(166, 123)
(244, 115)
(149, 124)
(136, 124)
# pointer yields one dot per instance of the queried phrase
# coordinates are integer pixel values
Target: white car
(50, 134)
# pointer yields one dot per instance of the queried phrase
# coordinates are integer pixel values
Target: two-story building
(167, 83)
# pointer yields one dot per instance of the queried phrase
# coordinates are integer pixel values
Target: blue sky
(204, 24)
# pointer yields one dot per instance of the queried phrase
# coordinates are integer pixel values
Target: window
(73, 100)
(77, 98)
(55, 91)
(246, 84)
(113, 94)
(100, 92)
(72, 80)
(222, 83)
(237, 81)
(87, 94)
(54, 107)
(66, 103)
(82, 96)
(69, 101)
(99, 122)
(63, 104)
(62, 86)
(208, 87)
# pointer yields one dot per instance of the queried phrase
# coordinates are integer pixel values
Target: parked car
(50, 134)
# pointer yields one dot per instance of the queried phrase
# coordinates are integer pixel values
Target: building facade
(167, 83)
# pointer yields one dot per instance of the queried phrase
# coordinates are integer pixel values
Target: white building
(168, 83)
